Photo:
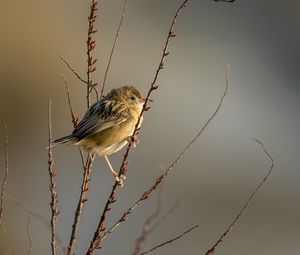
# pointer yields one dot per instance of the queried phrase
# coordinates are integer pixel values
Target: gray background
(260, 41)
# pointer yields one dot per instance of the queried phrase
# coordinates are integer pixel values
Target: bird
(108, 125)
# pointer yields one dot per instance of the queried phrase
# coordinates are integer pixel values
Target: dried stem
(165, 173)
(169, 241)
(113, 47)
(52, 174)
(40, 218)
(148, 227)
(28, 234)
(72, 69)
(81, 201)
(5, 175)
(212, 249)
(73, 116)
(95, 243)
(91, 44)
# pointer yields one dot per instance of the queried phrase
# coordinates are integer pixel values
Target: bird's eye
(132, 98)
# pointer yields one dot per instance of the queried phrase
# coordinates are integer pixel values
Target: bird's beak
(150, 100)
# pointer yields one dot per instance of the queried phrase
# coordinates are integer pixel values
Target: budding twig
(5, 174)
(28, 234)
(52, 174)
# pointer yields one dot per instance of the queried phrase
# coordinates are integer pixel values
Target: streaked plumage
(108, 123)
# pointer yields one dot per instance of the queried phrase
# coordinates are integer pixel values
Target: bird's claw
(120, 179)
(133, 140)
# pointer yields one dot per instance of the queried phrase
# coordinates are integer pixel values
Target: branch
(52, 174)
(212, 249)
(29, 235)
(81, 201)
(95, 243)
(148, 228)
(169, 241)
(5, 175)
(72, 69)
(91, 44)
(160, 179)
(113, 47)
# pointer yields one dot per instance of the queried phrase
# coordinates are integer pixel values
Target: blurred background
(259, 40)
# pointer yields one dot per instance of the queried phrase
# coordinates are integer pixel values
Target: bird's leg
(115, 175)
(133, 139)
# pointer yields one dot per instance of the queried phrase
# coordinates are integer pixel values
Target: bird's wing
(99, 116)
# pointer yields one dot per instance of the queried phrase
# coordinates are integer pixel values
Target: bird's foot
(120, 179)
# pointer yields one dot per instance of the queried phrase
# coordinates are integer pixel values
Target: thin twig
(3, 189)
(148, 227)
(95, 243)
(73, 115)
(165, 173)
(28, 234)
(81, 201)
(40, 218)
(212, 249)
(52, 174)
(72, 69)
(113, 47)
(91, 44)
(169, 241)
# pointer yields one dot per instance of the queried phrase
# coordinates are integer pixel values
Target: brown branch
(148, 227)
(95, 243)
(52, 174)
(40, 218)
(3, 189)
(160, 179)
(29, 235)
(212, 249)
(169, 241)
(81, 201)
(113, 47)
(72, 69)
(91, 44)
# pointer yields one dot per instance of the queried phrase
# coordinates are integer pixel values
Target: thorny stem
(6, 173)
(262, 182)
(91, 44)
(81, 201)
(95, 243)
(169, 241)
(52, 174)
(113, 48)
(165, 173)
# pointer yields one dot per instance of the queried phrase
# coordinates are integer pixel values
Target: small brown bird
(108, 124)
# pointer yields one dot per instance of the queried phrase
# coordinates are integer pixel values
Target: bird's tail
(69, 140)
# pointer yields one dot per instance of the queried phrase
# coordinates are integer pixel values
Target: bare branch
(160, 179)
(81, 201)
(169, 241)
(148, 227)
(40, 218)
(52, 174)
(113, 47)
(212, 249)
(5, 174)
(95, 243)
(91, 44)
(72, 69)
(29, 235)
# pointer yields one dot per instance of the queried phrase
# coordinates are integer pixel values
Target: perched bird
(108, 124)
